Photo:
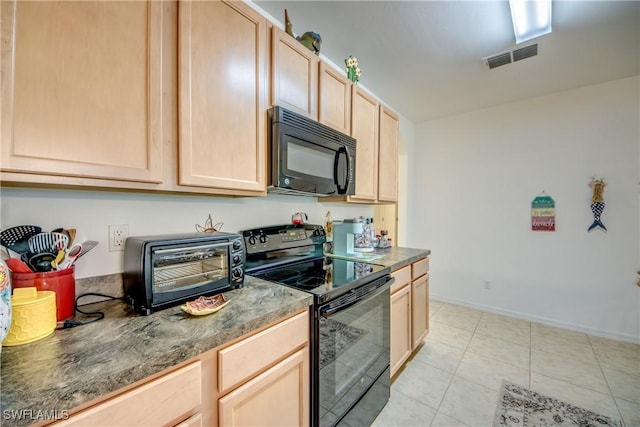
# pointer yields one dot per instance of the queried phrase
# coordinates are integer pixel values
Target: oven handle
(327, 313)
(342, 150)
(191, 248)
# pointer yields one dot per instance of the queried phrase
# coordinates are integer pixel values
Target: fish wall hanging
(597, 203)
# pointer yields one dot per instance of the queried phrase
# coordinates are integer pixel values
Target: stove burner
(282, 274)
(310, 282)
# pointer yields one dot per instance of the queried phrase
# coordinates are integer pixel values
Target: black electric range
(350, 322)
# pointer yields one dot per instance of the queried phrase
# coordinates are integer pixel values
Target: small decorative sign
(543, 213)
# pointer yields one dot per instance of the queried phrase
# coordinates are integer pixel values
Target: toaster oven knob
(237, 273)
(237, 244)
(236, 259)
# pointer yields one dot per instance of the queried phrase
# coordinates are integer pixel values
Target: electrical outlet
(117, 236)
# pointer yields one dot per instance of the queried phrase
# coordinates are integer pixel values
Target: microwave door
(305, 166)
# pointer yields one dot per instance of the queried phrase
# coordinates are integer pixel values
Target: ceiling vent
(525, 52)
(507, 57)
(498, 60)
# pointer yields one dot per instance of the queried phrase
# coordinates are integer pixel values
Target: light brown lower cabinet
(400, 328)
(409, 311)
(221, 387)
(161, 401)
(278, 396)
(194, 421)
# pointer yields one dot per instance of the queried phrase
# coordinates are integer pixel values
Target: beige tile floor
(454, 379)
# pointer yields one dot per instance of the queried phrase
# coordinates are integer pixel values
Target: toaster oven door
(188, 270)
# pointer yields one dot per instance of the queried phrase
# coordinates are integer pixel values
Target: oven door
(352, 356)
(189, 270)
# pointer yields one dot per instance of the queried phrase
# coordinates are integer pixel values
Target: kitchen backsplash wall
(91, 213)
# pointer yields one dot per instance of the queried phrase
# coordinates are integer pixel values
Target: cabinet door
(194, 421)
(82, 88)
(294, 75)
(334, 99)
(222, 90)
(388, 156)
(178, 393)
(400, 328)
(419, 310)
(279, 396)
(364, 128)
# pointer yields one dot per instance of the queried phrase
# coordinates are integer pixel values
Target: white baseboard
(538, 319)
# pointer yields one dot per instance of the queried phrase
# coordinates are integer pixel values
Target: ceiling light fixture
(531, 18)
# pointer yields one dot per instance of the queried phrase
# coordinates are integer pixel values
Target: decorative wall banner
(543, 213)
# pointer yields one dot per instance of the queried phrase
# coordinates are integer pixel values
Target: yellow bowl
(33, 317)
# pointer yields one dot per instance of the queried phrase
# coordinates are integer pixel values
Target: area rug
(336, 337)
(525, 408)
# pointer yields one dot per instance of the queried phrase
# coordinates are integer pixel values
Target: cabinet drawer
(241, 361)
(157, 402)
(420, 268)
(402, 276)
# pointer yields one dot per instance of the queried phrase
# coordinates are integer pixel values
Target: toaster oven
(167, 270)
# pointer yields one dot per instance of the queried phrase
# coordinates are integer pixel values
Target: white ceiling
(424, 58)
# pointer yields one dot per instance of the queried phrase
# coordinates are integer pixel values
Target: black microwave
(309, 158)
(167, 270)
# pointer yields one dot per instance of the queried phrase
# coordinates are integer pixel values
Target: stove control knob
(263, 238)
(252, 240)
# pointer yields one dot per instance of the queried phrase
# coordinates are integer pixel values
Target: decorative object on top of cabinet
(597, 203)
(353, 71)
(294, 75)
(311, 40)
(222, 128)
(388, 156)
(334, 98)
(68, 108)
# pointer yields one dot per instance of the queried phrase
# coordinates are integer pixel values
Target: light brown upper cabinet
(364, 128)
(388, 156)
(81, 90)
(294, 75)
(222, 96)
(334, 99)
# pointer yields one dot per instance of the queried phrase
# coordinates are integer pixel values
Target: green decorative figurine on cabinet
(311, 40)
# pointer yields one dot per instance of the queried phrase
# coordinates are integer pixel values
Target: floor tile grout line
(615, 402)
(456, 369)
(530, 356)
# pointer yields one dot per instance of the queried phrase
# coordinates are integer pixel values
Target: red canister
(62, 282)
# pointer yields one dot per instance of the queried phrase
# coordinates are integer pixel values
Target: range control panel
(265, 239)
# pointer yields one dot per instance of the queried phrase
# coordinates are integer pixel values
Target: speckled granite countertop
(77, 365)
(396, 258)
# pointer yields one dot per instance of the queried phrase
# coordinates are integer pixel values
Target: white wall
(475, 177)
(91, 212)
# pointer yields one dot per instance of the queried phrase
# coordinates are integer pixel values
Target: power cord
(99, 315)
